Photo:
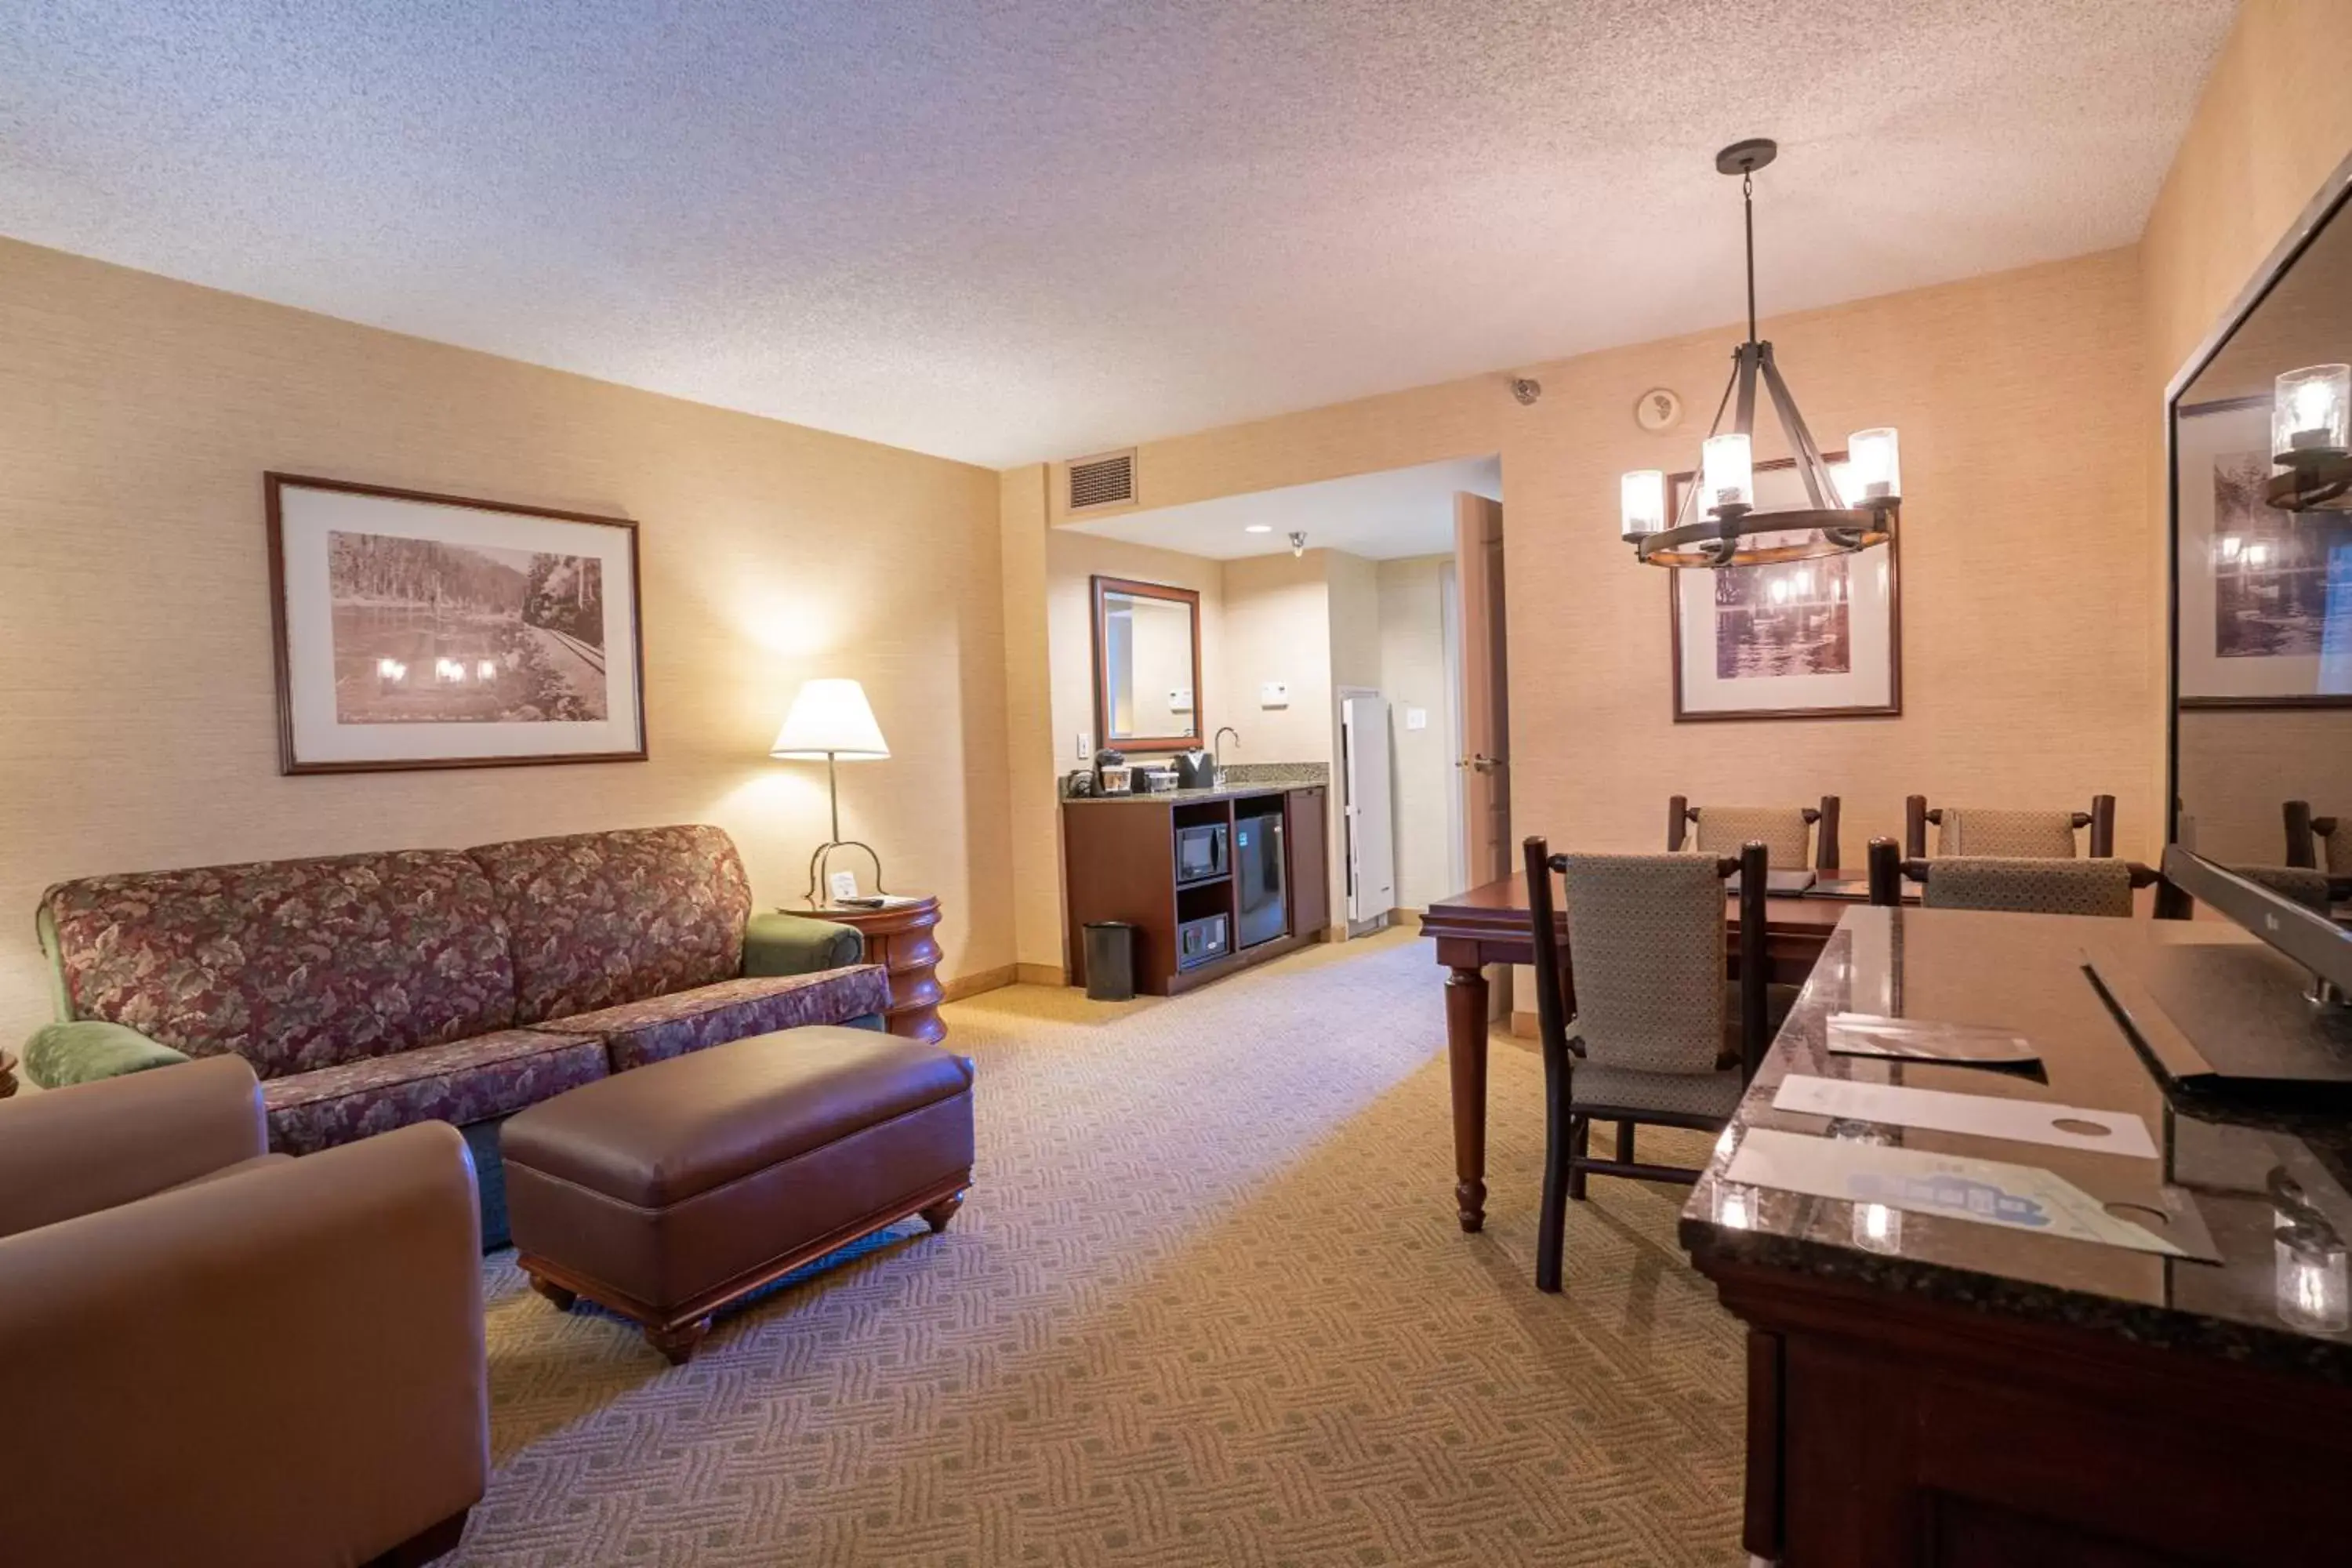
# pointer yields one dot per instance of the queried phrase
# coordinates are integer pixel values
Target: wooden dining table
(1489, 925)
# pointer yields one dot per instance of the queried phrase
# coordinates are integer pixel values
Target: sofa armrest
(782, 944)
(73, 1152)
(284, 1365)
(89, 1049)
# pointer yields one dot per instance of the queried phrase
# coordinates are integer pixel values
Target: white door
(1371, 820)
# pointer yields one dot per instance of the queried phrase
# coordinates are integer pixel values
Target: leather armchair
(210, 1354)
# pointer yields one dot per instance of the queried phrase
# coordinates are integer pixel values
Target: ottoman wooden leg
(939, 1212)
(563, 1297)
(678, 1343)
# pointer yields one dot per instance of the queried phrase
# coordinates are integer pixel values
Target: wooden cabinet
(1307, 815)
(1119, 861)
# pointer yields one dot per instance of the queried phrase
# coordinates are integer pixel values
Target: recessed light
(1258, 528)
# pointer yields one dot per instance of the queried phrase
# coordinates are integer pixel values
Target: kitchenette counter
(1242, 779)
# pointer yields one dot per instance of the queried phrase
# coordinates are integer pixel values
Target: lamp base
(817, 866)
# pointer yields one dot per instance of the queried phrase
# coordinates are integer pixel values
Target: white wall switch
(842, 885)
(1273, 694)
(1086, 747)
(1416, 718)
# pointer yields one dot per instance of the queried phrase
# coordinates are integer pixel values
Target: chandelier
(1849, 505)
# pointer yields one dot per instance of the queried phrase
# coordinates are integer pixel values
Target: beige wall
(141, 413)
(2029, 673)
(1277, 627)
(2239, 766)
(1414, 674)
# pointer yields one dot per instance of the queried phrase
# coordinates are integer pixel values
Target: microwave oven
(1201, 853)
(1199, 942)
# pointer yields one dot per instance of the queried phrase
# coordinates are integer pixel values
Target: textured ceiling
(1383, 516)
(1011, 229)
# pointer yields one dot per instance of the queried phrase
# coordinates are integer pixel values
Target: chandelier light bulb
(1874, 462)
(2311, 414)
(1729, 473)
(1641, 503)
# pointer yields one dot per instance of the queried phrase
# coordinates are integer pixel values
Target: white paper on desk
(1982, 1192)
(1979, 1115)
(1926, 1040)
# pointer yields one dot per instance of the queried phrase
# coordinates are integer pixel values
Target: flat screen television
(2261, 667)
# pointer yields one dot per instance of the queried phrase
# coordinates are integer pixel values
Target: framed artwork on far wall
(2265, 596)
(1796, 639)
(430, 631)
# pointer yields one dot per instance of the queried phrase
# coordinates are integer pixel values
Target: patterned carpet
(1208, 1304)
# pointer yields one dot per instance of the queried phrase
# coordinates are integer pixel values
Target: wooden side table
(900, 939)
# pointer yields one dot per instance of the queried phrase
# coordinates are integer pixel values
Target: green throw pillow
(90, 1050)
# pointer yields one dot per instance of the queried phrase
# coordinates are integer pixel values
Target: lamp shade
(830, 718)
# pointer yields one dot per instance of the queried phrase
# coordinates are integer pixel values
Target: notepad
(1927, 1040)
(1977, 1115)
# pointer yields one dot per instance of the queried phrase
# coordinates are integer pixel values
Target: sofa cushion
(292, 964)
(598, 919)
(661, 1027)
(464, 1082)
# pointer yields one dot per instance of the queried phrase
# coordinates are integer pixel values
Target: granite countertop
(1241, 779)
(2025, 973)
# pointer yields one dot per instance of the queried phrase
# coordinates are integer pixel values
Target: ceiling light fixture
(1848, 511)
(1298, 544)
(1258, 528)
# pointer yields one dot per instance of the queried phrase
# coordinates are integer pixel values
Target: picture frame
(2264, 610)
(1804, 639)
(419, 630)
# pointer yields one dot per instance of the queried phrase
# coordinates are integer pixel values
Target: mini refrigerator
(1257, 879)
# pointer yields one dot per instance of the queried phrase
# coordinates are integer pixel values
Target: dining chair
(2020, 885)
(2008, 834)
(1635, 1020)
(2307, 834)
(1783, 831)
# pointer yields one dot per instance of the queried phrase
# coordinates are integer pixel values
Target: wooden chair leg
(1551, 1220)
(1579, 1145)
(1624, 1143)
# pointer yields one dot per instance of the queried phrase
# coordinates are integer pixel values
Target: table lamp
(831, 718)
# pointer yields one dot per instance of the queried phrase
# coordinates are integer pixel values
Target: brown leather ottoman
(669, 1191)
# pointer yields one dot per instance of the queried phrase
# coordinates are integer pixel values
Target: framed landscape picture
(428, 631)
(1797, 640)
(2266, 608)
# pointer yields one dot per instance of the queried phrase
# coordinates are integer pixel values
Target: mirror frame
(1191, 600)
(2335, 193)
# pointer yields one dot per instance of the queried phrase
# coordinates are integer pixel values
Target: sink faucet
(1217, 743)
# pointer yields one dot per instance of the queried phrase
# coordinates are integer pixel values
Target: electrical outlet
(842, 885)
(1086, 747)
(1416, 718)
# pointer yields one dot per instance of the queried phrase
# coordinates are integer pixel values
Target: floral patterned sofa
(373, 991)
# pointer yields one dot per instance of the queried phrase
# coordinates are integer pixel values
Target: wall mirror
(1146, 666)
(2262, 560)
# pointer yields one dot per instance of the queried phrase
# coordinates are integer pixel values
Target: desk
(1489, 925)
(1945, 1392)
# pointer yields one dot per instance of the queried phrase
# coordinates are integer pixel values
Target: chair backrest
(1642, 971)
(1789, 832)
(2309, 837)
(1990, 832)
(2030, 885)
(2305, 885)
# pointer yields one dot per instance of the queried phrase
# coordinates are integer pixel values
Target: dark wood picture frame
(1101, 587)
(274, 485)
(1891, 708)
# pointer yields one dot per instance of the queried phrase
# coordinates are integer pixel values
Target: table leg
(1465, 1053)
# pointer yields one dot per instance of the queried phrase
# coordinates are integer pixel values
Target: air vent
(1101, 482)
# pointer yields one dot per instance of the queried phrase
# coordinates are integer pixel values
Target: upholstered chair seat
(2305, 885)
(2026, 886)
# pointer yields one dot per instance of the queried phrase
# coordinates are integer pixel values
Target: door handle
(1483, 762)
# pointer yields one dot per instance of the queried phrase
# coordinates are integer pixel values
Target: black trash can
(1110, 961)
